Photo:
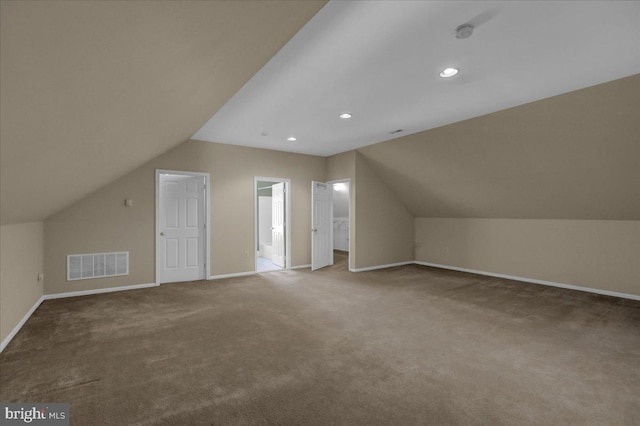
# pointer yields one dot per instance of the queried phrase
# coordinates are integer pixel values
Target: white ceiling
(380, 61)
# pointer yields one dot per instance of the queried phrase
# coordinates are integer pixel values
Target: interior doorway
(330, 223)
(272, 225)
(341, 221)
(182, 226)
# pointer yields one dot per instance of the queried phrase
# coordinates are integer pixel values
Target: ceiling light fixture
(345, 115)
(291, 139)
(448, 72)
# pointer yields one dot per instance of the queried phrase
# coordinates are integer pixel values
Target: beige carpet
(402, 346)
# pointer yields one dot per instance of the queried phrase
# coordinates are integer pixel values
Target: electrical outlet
(40, 277)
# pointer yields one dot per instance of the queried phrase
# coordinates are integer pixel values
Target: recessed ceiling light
(291, 139)
(345, 115)
(448, 72)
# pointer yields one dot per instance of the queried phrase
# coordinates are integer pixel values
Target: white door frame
(207, 216)
(287, 218)
(331, 182)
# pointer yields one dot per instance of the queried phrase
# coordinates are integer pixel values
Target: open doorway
(330, 226)
(340, 231)
(272, 227)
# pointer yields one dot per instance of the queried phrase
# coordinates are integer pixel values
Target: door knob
(162, 234)
(314, 230)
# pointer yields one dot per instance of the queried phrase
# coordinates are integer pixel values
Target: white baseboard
(301, 266)
(533, 280)
(97, 291)
(18, 326)
(236, 274)
(373, 268)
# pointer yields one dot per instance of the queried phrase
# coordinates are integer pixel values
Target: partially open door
(277, 224)
(321, 250)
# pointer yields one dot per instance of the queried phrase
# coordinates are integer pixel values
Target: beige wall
(572, 156)
(21, 252)
(343, 166)
(590, 253)
(385, 228)
(91, 90)
(381, 230)
(101, 223)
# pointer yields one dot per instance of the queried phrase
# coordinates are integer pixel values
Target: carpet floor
(400, 346)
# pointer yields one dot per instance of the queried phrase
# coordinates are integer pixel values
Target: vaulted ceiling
(91, 90)
(381, 62)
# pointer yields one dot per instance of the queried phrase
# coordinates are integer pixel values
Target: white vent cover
(97, 265)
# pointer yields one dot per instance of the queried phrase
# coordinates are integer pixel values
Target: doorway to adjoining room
(272, 233)
(340, 195)
(330, 203)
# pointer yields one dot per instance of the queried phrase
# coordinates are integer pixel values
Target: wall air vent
(97, 265)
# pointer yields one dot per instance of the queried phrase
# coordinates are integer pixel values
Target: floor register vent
(97, 265)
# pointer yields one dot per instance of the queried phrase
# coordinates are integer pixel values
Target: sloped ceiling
(573, 156)
(91, 90)
(381, 61)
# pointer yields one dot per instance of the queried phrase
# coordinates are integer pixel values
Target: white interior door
(181, 224)
(278, 224)
(321, 250)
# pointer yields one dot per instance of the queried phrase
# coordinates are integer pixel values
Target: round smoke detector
(464, 31)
